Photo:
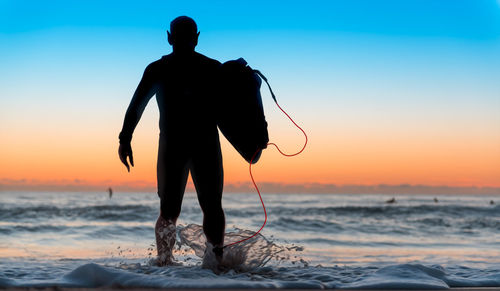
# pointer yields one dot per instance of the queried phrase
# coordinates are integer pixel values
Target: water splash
(243, 257)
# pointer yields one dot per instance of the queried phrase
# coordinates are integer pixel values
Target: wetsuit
(185, 88)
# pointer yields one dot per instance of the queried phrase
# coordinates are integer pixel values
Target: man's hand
(124, 151)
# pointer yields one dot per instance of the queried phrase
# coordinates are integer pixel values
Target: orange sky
(383, 98)
(52, 152)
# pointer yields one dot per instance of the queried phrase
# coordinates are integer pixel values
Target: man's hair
(183, 27)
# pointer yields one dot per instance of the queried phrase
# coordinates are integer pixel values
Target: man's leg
(172, 174)
(207, 174)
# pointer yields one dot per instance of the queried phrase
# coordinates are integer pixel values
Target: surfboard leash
(279, 150)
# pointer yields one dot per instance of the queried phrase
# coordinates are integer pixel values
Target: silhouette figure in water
(390, 201)
(184, 84)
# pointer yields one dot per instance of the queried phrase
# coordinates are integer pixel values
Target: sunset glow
(392, 93)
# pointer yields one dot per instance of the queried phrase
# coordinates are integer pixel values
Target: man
(184, 84)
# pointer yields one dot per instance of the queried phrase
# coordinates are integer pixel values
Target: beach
(314, 241)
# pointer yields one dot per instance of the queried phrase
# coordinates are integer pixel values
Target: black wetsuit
(185, 87)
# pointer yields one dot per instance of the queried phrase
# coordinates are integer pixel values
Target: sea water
(310, 241)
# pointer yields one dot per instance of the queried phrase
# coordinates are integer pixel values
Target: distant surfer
(390, 201)
(183, 83)
(110, 192)
(436, 200)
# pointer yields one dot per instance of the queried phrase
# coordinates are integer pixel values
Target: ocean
(310, 241)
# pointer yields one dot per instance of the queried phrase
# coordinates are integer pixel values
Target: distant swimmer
(110, 191)
(492, 202)
(436, 200)
(390, 201)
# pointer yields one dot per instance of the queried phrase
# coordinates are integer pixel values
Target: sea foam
(403, 276)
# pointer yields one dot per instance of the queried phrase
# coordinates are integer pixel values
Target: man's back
(185, 87)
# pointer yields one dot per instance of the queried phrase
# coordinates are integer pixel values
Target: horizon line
(246, 187)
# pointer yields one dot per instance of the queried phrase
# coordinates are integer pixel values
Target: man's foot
(218, 251)
(165, 232)
(212, 259)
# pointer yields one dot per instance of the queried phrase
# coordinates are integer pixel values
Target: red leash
(281, 152)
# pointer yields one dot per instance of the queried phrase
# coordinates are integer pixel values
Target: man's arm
(145, 90)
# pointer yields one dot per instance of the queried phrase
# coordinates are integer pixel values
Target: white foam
(406, 276)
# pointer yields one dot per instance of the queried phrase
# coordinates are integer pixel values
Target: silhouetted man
(183, 83)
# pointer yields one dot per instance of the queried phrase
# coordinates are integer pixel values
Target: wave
(390, 210)
(287, 223)
(90, 230)
(381, 219)
(97, 212)
(402, 276)
(131, 212)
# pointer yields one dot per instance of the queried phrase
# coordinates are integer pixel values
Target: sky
(389, 92)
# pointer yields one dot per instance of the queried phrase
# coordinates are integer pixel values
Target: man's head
(183, 34)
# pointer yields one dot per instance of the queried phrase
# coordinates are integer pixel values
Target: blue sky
(473, 19)
(395, 71)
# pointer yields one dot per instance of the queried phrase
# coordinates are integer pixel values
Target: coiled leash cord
(250, 166)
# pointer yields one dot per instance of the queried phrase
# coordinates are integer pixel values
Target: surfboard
(240, 115)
